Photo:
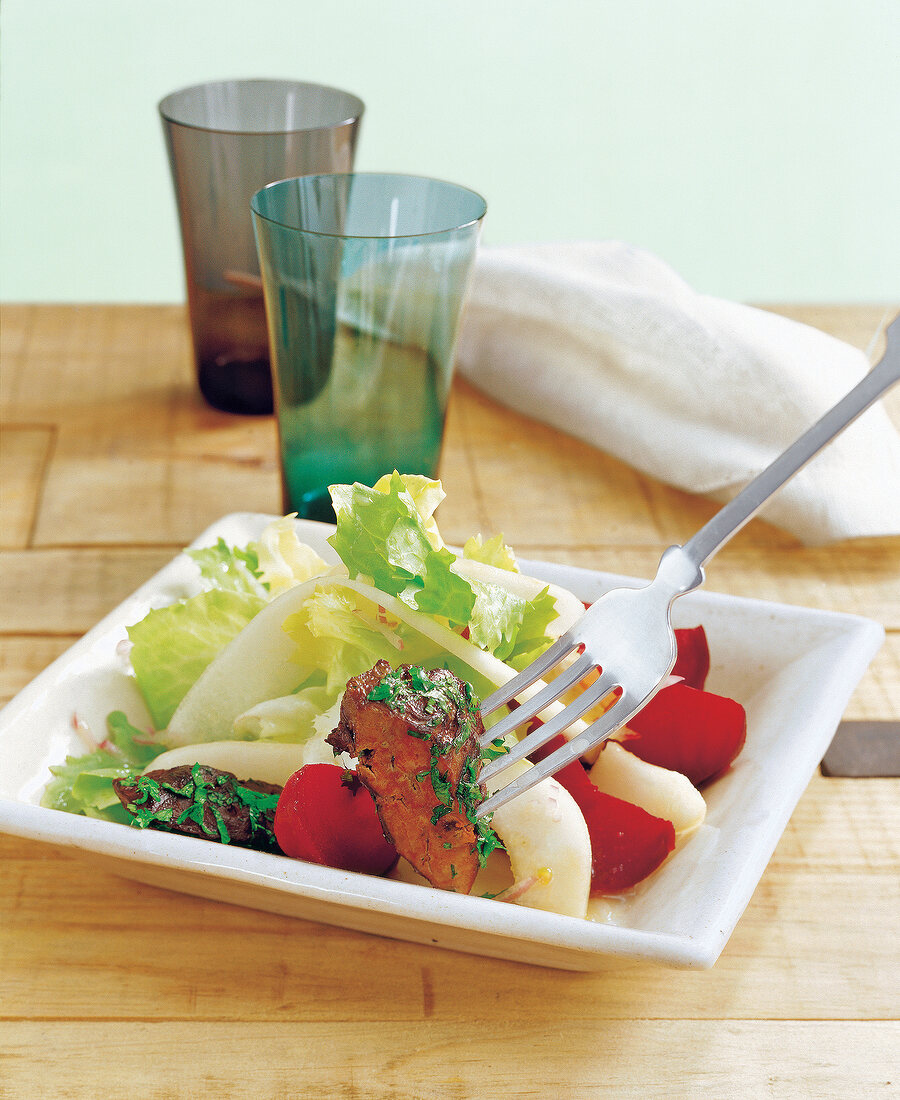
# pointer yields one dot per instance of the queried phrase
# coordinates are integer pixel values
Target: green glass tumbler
(364, 278)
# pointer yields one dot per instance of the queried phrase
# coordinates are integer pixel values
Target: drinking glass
(364, 277)
(225, 140)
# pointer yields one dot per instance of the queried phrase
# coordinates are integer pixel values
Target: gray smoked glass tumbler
(225, 141)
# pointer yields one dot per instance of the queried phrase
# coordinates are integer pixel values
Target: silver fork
(628, 633)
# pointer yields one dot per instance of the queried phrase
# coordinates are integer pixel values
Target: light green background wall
(753, 144)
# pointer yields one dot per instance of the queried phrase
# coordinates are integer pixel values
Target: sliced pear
(268, 761)
(259, 664)
(256, 665)
(547, 842)
(659, 791)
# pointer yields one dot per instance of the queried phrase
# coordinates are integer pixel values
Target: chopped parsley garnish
(440, 783)
(443, 699)
(206, 793)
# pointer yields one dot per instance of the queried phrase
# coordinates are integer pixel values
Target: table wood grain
(109, 463)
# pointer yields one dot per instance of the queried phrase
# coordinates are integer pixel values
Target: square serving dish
(793, 668)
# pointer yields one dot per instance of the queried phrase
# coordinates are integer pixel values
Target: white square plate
(794, 669)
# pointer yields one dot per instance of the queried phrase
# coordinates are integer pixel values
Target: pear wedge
(548, 845)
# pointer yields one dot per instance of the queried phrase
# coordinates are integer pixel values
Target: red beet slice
(325, 815)
(692, 660)
(689, 731)
(627, 843)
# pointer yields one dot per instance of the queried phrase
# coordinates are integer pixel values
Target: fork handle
(751, 498)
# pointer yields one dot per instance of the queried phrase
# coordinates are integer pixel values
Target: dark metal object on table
(864, 750)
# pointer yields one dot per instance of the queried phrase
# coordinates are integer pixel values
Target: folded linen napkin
(604, 341)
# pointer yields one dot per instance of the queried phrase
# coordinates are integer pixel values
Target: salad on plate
(328, 711)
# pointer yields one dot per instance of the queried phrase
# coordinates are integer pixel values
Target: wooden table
(110, 463)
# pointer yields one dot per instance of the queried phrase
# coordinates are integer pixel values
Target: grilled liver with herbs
(197, 800)
(416, 735)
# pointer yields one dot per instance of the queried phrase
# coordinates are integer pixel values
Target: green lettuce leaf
(381, 535)
(230, 568)
(344, 634)
(339, 634)
(83, 784)
(172, 645)
(426, 495)
(94, 796)
(532, 637)
(496, 619)
(510, 626)
(136, 746)
(494, 552)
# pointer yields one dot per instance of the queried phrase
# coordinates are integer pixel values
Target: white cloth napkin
(604, 341)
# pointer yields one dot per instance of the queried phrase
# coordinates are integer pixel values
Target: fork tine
(534, 704)
(625, 707)
(601, 687)
(538, 668)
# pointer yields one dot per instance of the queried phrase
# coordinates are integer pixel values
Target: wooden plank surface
(109, 463)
